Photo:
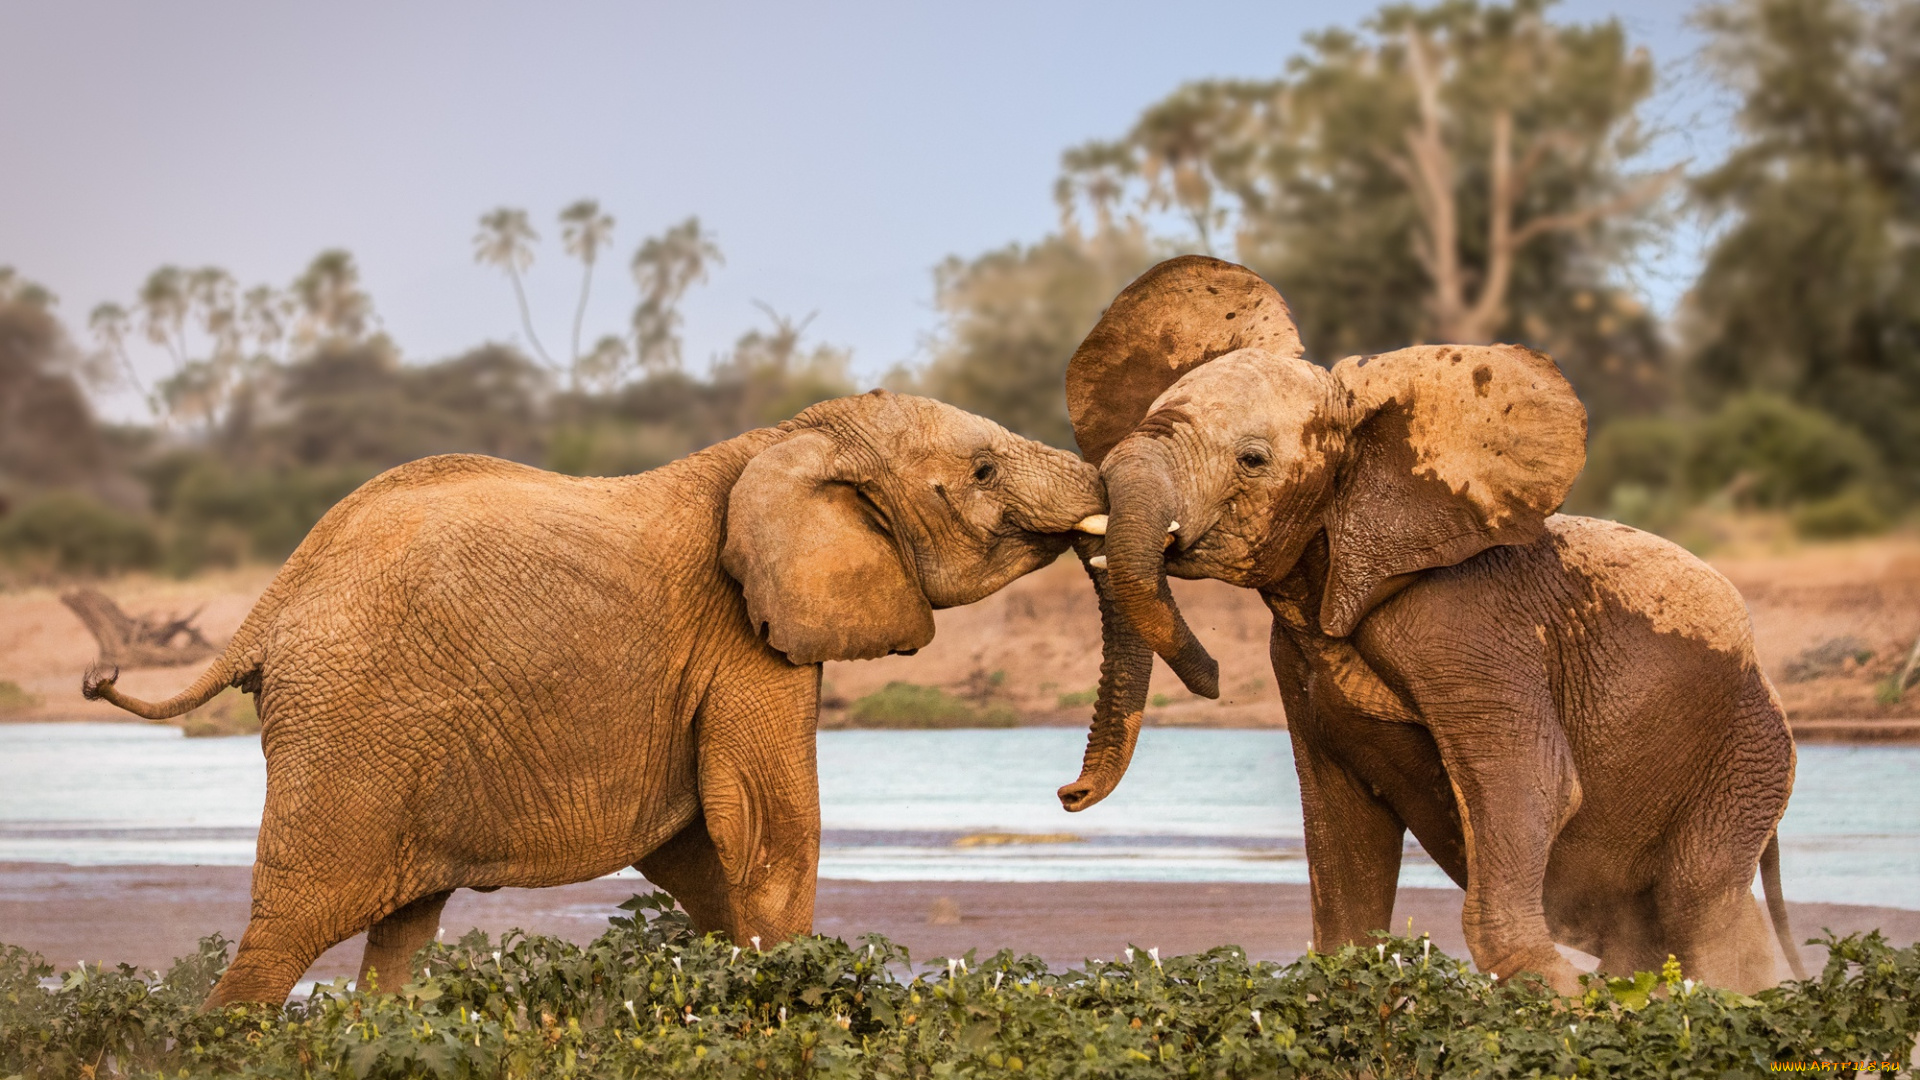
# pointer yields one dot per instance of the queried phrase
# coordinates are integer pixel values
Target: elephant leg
(688, 867)
(1514, 779)
(1354, 843)
(295, 918)
(393, 940)
(760, 794)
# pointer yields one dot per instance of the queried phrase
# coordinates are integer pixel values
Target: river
(1198, 805)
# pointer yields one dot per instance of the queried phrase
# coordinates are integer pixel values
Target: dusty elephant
(475, 674)
(1566, 712)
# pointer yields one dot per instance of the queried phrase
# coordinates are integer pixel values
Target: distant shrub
(14, 698)
(649, 999)
(1853, 512)
(78, 535)
(1767, 451)
(909, 705)
(222, 516)
(1079, 699)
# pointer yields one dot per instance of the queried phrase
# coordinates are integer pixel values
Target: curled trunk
(1126, 665)
(1141, 495)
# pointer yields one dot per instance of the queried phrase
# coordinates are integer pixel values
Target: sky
(838, 151)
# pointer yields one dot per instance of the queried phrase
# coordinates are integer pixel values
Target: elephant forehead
(1249, 392)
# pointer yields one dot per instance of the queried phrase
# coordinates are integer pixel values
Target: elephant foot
(1544, 966)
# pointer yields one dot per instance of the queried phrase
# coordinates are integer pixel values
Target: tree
(664, 268)
(506, 240)
(1013, 318)
(584, 229)
(1812, 290)
(332, 305)
(1457, 172)
(48, 435)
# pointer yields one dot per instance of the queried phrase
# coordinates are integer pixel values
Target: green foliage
(14, 698)
(1756, 451)
(648, 999)
(1767, 451)
(1811, 291)
(909, 705)
(76, 534)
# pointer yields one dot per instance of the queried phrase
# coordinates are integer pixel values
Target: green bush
(649, 999)
(1853, 512)
(1767, 451)
(909, 705)
(79, 535)
(222, 516)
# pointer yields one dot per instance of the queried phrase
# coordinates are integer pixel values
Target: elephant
(1567, 713)
(476, 674)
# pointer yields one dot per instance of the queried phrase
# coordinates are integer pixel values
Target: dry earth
(1816, 611)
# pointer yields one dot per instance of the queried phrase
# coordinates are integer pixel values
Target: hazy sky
(838, 151)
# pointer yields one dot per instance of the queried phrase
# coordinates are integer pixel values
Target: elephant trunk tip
(1083, 793)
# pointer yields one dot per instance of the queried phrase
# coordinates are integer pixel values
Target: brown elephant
(1566, 712)
(476, 674)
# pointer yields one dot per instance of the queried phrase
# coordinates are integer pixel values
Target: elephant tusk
(1172, 527)
(1093, 524)
(1098, 561)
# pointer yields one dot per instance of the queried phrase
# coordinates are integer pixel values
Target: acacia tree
(1457, 172)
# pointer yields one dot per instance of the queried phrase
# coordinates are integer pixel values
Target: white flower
(783, 1014)
(1155, 953)
(755, 939)
(735, 956)
(1256, 1021)
(997, 976)
(676, 963)
(1129, 954)
(496, 956)
(1687, 985)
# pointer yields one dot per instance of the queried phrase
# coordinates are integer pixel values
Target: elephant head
(1226, 454)
(868, 513)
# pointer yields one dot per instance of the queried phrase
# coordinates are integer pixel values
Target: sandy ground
(1038, 640)
(146, 915)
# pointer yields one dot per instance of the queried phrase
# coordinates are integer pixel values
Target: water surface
(1198, 805)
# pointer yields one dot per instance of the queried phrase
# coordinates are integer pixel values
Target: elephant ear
(823, 577)
(1175, 317)
(1455, 449)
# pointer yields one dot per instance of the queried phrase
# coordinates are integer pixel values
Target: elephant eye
(1252, 459)
(983, 472)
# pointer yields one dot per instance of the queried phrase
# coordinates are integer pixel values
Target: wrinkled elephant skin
(1566, 712)
(475, 674)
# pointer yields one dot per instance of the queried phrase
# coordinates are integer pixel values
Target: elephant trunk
(1142, 501)
(1126, 665)
(1066, 491)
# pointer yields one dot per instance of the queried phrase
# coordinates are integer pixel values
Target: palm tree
(332, 302)
(584, 229)
(506, 240)
(664, 268)
(109, 323)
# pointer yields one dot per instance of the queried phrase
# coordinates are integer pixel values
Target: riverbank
(147, 915)
(1833, 625)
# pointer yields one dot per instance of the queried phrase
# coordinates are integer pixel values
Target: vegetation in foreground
(648, 999)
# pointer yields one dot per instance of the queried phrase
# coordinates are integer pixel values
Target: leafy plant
(650, 999)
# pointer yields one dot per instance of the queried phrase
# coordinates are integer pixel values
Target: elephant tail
(97, 685)
(1777, 904)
